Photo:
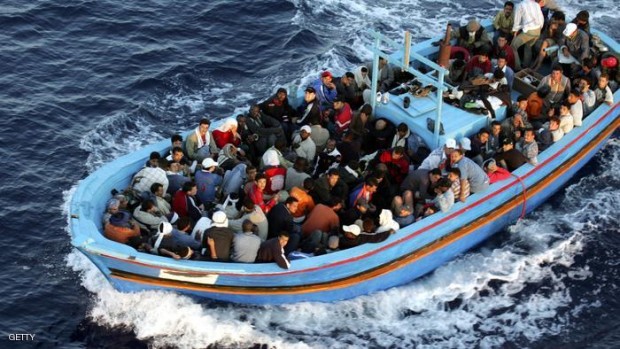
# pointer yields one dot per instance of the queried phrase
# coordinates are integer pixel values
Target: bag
(430, 124)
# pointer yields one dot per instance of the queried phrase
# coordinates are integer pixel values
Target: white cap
(165, 228)
(306, 128)
(219, 219)
(451, 143)
(208, 163)
(465, 143)
(353, 229)
(570, 29)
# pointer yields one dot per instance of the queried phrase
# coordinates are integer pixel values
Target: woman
(227, 134)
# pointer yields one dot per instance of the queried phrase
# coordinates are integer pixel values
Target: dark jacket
(271, 251)
(280, 219)
(322, 192)
(362, 239)
(283, 112)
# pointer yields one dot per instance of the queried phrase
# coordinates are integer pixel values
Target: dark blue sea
(82, 82)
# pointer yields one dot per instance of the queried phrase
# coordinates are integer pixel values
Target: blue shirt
(185, 240)
(207, 184)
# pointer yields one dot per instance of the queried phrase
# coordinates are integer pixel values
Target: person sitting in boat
(396, 162)
(272, 250)
(504, 50)
(342, 117)
(529, 147)
(227, 133)
(380, 136)
(576, 107)
(518, 108)
(511, 126)
(266, 129)
(470, 171)
(149, 217)
(359, 121)
(325, 90)
(504, 21)
(309, 110)
(328, 186)
(217, 240)
(255, 192)
(385, 185)
(385, 80)
(182, 234)
(603, 91)
(364, 191)
(496, 137)
(413, 144)
(200, 143)
(588, 70)
(538, 107)
(588, 96)
(459, 187)
(330, 157)
(509, 74)
(280, 218)
(550, 134)
(575, 45)
(323, 218)
(444, 196)
(303, 144)
(165, 244)
(274, 157)
(479, 146)
(510, 158)
(495, 172)
(276, 177)
(143, 180)
(566, 119)
(319, 135)
(473, 37)
(362, 84)
(229, 157)
(279, 108)
(420, 183)
(403, 208)
(114, 205)
(305, 202)
(246, 243)
(352, 235)
(186, 204)
(346, 88)
(253, 213)
(349, 148)
(550, 37)
(528, 23)
(176, 177)
(177, 156)
(350, 173)
(233, 180)
(121, 228)
(437, 157)
(208, 181)
(176, 140)
(558, 83)
(479, 64)
(296, 175)
(582, 21)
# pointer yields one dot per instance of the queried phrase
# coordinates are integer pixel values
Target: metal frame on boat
(410, 253)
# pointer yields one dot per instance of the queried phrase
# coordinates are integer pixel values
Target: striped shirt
(528, 16)
(457, 188)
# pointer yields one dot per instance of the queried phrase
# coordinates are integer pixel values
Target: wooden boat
(410, 253)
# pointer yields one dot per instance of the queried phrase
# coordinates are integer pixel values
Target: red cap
(326, 74)
(609, 62)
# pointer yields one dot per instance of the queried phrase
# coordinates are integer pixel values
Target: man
(364, 191)
(325, 90)
(281, 219)
(186, 204)
(558, 83)
(396, 162)
(478, 180)
(165, 244)
(528, 23)
(157, 195)
(550, 134)
(148, 216)
(510, 158)
(309, 110)
(494, 172)
(437, 157)
(200, 143)
(496, 137)
(537, 106)
(328, 186)
(576, 107)
(352, 235)
(346, 88)
(473, 37)
(444, 199)
(528, 146)
(272, 250)
(182, 234)
(121, 228)
(178, 156)
(265, 127)
(246, 244)
(304, 145)
(279, 108)
(421, 182)
(274, 157)
(221, 237)
(478, 151)
(503, 64)
(296, 175)
(253, 213)
(385, 80)
(323, 218)
(149, 175)
(576, 44)
(479, 64)
(342, 116)
(460, 192)
(304, 199)
(330, 157)
(504, 21)
(603, 91)
(208, 181)
(412, 143)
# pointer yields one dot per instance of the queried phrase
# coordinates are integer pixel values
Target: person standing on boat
(272, 250)
(528, 23)
(470, 171)
(504, 21)
(200, 144)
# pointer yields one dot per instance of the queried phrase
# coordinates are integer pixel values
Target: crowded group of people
(282, 183)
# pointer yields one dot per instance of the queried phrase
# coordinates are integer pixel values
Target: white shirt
(528, 16)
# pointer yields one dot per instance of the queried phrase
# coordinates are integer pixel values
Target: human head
(473, 26)
(241, 120)
(309, 94)
(326, 77)
(184, 224)
(454, 174)
(490, 166)
(603, 80)
(300, 164)
(261, 181)
(501, 42)
(371, 184)
(434, 175)
(570, 31)
(501, 60)
(330, 145)
(255, 111)
(554, 123)
(154, 159)
(574, 96)
(564, 108)
(529, 135)
(496, 128)
(190, 188)
(449, 146)
(338, 103)
(281, 94)
(177, 154)
(304, 132)
(247, 226)
(556, 72)
(203, 126)
(508, 8)
(248, 204)
(176, 140)
(283, 238)
(444, 184)
(522, 102)
(332, 177)
(348, 78)
(292, 204)
(250, 173)
(483, 136)
(507, 144)
(456, 156)
(402, 129)
(308, 184)
(147, 205)
(398, 152)
(157, 189)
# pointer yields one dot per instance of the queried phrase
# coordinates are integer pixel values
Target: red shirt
(343, 118)
(499, 175)
(474, 62)
(397, 169)
(256, 195)
(223, 138)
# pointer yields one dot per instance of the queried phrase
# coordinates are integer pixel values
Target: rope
(523, 208)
